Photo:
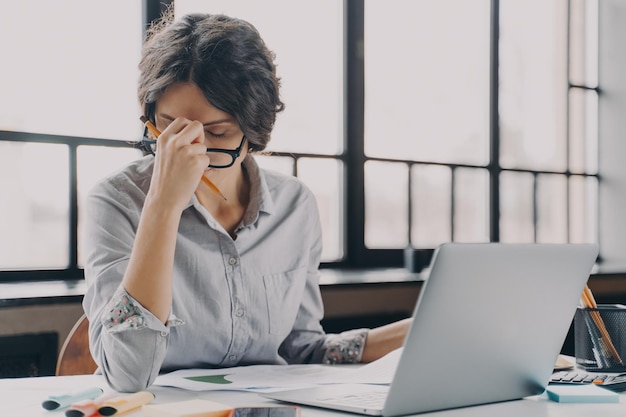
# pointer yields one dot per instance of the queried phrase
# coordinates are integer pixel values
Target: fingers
(181, 144)
(186, 137)
(183, 132)
(179, 162)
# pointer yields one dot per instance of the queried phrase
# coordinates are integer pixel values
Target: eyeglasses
(220, 158)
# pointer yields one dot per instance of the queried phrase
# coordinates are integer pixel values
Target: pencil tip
(143, 118)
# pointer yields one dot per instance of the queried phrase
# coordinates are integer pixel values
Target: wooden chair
(75, 357)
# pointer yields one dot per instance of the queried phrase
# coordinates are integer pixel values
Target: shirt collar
(260, 197)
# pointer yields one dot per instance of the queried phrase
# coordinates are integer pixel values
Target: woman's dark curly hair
(225, 57)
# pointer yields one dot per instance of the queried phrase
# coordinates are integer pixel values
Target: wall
(612, 130)
(39, 319)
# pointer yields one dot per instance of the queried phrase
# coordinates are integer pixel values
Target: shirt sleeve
(125, 313)
(127, 342)
(346, 347)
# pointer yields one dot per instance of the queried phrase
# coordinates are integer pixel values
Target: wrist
(161, 209)
(161, 214)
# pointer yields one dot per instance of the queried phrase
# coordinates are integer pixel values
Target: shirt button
(240, 313)
(163, 333)
(232, 357)
(232, 261)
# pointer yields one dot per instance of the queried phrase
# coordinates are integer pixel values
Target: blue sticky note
(584, 393)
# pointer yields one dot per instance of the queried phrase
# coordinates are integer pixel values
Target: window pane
(551, 209)
(34, 215)
(323, 177)
(583, 209)
(431, 205)
(471, 205)
(70, 67)
(93, 164)
(516, 207)
(533, 81)
(583, 131)
(281, 164)
(386, 205)
(427, 80)
(584, 42)
(307, 38)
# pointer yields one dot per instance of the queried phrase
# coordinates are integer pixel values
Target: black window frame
(353, 158)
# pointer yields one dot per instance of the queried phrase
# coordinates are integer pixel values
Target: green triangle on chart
(211, 379)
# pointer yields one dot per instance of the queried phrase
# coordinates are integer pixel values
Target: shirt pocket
(283, 293)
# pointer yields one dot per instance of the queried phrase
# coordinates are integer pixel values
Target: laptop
(488, 326)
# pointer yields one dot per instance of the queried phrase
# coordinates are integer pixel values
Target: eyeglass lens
(219, 159)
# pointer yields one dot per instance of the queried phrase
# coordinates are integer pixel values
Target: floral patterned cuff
(346, 347)
(125, 313)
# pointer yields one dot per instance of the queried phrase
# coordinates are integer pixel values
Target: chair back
(75, 357)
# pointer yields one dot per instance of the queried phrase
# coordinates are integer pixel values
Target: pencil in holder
(600, 338)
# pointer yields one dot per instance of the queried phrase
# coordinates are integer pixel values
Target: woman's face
(186, 100)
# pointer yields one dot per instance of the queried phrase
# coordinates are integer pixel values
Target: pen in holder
(600, 338)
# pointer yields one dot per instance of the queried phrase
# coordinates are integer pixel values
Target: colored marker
(87, 408)
(55, 402)
(125, 403)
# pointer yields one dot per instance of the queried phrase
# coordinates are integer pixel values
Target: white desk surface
(23, 396)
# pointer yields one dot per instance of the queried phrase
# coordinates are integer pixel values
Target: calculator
(613, 381)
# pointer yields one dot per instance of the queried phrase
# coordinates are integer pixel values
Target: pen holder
(600, 338)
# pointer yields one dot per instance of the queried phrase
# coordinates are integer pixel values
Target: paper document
(377, 372)
(267, 378)
(259, 378)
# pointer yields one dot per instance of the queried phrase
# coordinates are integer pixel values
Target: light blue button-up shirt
(252, 300)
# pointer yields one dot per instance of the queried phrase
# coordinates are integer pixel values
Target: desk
(23, 396)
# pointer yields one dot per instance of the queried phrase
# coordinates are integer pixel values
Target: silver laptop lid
(489, 324)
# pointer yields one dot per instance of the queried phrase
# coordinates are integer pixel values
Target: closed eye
(215, 135)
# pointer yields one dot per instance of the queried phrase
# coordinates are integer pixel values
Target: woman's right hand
(179, 163)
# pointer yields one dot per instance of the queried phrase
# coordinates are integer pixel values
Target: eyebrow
(214, 122)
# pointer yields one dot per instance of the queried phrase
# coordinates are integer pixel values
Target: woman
(180, 276)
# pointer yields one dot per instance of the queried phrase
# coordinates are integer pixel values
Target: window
(34, 222)
(426, 103)
(414, 123)
(548, 135)
(67, 79)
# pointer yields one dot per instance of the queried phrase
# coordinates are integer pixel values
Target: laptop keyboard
(373, 399)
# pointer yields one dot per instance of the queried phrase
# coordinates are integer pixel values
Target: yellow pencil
(152, 128)
(590, 302)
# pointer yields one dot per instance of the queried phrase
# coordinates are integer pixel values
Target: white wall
(612, 135)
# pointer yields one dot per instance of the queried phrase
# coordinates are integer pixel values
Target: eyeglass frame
(234, 153)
